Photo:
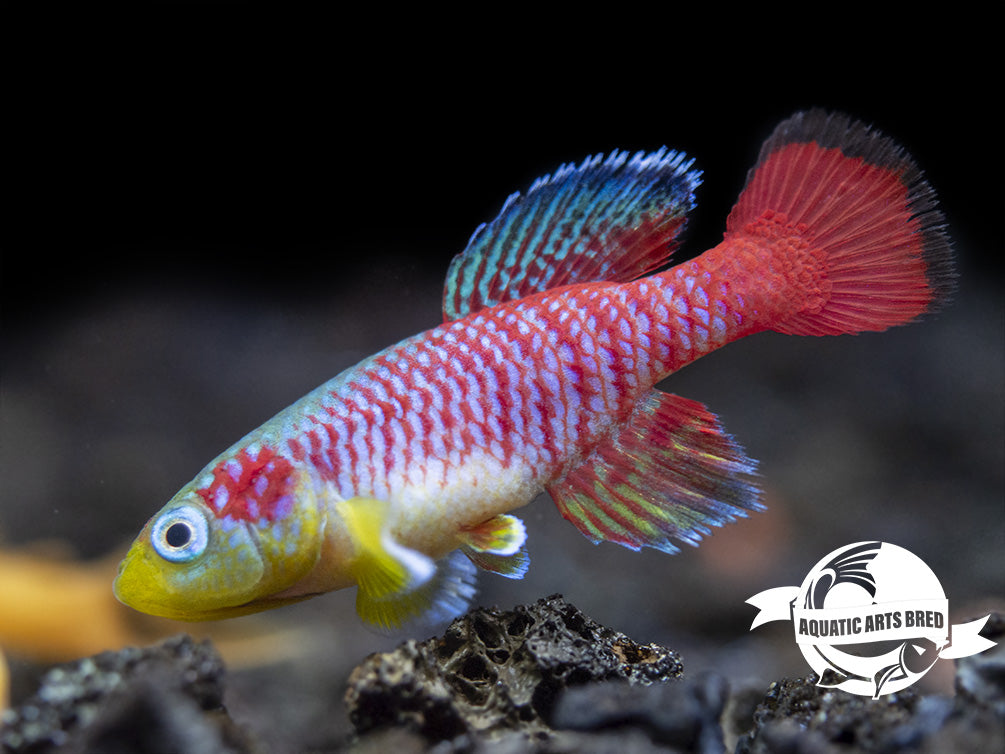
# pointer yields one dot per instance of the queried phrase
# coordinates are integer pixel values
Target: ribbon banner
(900, 621)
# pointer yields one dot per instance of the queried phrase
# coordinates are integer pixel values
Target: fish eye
(180, 534)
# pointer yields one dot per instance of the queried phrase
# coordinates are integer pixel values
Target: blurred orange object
(4, 681)
(54, 608)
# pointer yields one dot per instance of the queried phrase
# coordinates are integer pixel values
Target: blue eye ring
(180, 534)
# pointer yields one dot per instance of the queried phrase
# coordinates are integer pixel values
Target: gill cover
(190, 564)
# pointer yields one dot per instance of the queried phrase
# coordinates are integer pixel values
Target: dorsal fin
(612, 218)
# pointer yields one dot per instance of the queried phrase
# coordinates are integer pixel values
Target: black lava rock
(798, 716)
(165, 698)
(980, 678)
(542, 678)
(683, 715)
(495, 672)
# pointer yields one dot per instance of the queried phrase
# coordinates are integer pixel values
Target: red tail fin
(872, 252)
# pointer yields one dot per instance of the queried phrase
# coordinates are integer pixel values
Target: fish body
(399, 475)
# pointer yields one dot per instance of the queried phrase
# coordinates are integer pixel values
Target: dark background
(216, 208)
(273, 149)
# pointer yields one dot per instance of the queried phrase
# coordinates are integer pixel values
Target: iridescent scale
(557, 331)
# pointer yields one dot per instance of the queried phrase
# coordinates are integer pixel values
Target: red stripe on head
(247, 488)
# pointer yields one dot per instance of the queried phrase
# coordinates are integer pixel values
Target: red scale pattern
(258, 490)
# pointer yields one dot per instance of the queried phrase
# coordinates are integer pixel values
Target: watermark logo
(870, 618)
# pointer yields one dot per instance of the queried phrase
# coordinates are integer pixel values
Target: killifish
(399, 476)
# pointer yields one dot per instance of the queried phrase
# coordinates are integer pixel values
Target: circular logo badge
(870, 618)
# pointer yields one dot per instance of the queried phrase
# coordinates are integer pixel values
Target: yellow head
(245, 530)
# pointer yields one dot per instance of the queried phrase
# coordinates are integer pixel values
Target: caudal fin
(851, 222)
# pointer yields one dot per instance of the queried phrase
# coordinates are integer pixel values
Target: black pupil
(178, 535)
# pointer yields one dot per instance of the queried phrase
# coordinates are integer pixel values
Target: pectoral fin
(496, 545)
(398, 585)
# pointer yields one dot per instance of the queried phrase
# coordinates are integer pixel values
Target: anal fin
(668, 474)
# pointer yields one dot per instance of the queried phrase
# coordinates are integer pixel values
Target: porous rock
(796, 715)
(493, 673)
(163, 698)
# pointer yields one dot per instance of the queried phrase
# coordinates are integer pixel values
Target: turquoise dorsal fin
(615, 219)
(668, 474)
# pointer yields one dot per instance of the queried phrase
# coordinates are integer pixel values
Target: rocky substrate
(538, 678)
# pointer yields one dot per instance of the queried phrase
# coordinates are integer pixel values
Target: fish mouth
(214, 614)
(132, 590)
(123, 587)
